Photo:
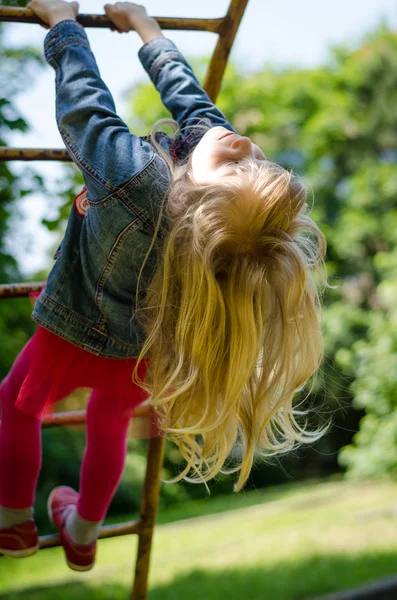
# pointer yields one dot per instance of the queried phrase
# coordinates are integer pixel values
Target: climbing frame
(226, 28)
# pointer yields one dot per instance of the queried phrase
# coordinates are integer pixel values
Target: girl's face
(218, 152)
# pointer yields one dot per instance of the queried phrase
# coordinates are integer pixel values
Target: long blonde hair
(231, 317)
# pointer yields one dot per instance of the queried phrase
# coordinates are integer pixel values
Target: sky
(282, 32)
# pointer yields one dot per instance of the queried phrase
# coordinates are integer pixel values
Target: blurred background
(314, 84)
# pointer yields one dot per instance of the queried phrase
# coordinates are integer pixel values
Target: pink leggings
(20, 448)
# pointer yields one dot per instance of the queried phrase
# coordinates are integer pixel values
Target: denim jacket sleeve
(177, 84)
(98, 140)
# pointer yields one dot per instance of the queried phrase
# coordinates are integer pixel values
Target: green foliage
(18, 67)
(374, 451)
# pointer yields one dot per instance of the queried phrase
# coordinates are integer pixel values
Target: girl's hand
(54, 11)
(128, 16)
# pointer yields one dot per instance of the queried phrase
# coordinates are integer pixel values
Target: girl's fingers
(42, 24)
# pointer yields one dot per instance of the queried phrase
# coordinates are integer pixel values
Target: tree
(18, 67)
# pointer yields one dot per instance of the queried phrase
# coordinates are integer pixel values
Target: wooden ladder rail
(226, 27)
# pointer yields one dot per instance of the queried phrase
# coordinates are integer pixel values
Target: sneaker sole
(79, 567)
(71, 565)
(20, 553)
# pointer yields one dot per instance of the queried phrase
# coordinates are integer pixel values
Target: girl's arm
(173, 77)
(98, 141)
(178, 86)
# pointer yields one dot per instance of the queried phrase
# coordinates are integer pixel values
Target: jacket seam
(90, 325)
(93, 173)
(70, 41)
(46, 298)
(84, 345)
(54, 329)
(116, 190)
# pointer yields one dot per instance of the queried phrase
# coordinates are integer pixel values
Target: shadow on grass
(286, 581)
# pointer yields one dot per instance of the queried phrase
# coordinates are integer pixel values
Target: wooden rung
(26, 154)
(20, 290)
(52, 540)
(71, 417)
(25, 15)
(77, 417)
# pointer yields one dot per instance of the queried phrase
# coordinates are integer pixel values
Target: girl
(228, 309)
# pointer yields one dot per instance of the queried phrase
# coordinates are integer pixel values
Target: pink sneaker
(19, 541)
(61, 501)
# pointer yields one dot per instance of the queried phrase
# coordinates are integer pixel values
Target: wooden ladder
(226, 28)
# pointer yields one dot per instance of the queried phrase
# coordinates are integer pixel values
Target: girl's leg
(104, 457)
(20, 447)
(109, 412)
(20, 442)
(102, 466)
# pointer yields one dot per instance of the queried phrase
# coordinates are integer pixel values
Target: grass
(293, 542)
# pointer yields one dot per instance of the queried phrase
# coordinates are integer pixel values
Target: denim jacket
(89, 296)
